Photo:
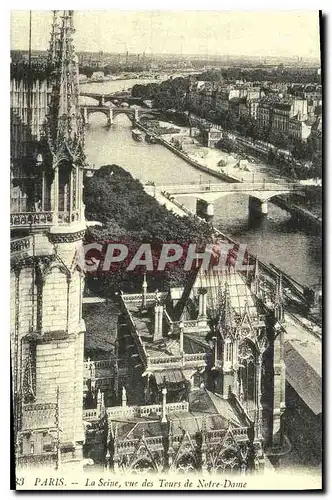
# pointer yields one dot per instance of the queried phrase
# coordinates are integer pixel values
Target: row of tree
(170, 94)
(131, 217)
(291, 75)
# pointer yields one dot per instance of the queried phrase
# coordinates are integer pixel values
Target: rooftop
(205, 409)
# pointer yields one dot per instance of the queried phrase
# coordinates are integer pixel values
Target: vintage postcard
(166, 241)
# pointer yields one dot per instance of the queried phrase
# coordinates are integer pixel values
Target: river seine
(274, 238)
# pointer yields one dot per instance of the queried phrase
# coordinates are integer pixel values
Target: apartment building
(299, 129)
(283, 112)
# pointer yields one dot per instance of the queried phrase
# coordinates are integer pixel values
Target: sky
(249, 33)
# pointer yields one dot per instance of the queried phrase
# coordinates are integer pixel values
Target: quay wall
(219, 175)
(298, 212)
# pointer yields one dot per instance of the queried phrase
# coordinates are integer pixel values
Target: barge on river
(151, 139)
(137, 134)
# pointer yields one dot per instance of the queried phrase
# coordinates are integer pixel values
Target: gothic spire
(278, 291)
(278, 300)
(64, 121)
(54, 38)
(226, 317)
(227, 307)
(256, 269)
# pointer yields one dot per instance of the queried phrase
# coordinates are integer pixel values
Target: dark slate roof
(194, 344)
(303, 374)
(173, 376)
(203, 403)
(182, 421)
(132, 428)
(283, 105)
(216, 412)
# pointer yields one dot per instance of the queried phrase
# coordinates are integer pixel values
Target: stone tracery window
(246, 352)
(228, 351)
(186, 463)
(246, 372)
(143, 465)
(228, 461)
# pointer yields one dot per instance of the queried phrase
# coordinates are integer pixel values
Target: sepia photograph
(166, 250)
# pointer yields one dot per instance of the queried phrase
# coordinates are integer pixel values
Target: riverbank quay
(182, 154)
(301, 214)
(294, 291)
(173, 206)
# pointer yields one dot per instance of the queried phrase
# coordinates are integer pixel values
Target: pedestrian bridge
(259, 192)
(112, 111)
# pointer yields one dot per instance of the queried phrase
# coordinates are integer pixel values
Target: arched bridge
(120, 98)
(259, 192)
(112, 111)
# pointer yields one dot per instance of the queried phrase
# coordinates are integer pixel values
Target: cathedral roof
(205, 409)
(194, 343)
(241, 298)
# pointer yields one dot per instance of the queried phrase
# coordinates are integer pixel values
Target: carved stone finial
(157, 297)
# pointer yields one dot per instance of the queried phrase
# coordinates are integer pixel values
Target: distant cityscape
(144, 60)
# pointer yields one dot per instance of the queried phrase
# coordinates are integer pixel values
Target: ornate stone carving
(66, 237)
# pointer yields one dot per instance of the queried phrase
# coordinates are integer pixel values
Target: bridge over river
(112, 97)
(112, 111)
(259, 192)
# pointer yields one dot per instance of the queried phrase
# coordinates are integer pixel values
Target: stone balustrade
(39, 416)
(199, 356)
(21, 244)
(144, 411)
(137, 297)
(92, 414)
(29, 219)
(152, 442)
(239, 433)
(190, 324)
(230, 187)
(165, 360)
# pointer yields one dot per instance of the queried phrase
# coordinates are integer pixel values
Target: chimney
(102, 405)
(163, 409)
(202, 303)
(99, 402)
(124, 397)
(278, 301)
(215, 351)
(144, 292)
(158, 322)
(161, 315)
(181, 337)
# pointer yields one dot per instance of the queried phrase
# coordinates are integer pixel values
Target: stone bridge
(112, 111)
(259, 192)
(120, 98)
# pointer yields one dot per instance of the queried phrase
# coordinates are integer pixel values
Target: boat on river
(137, 134)
(151, 139)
